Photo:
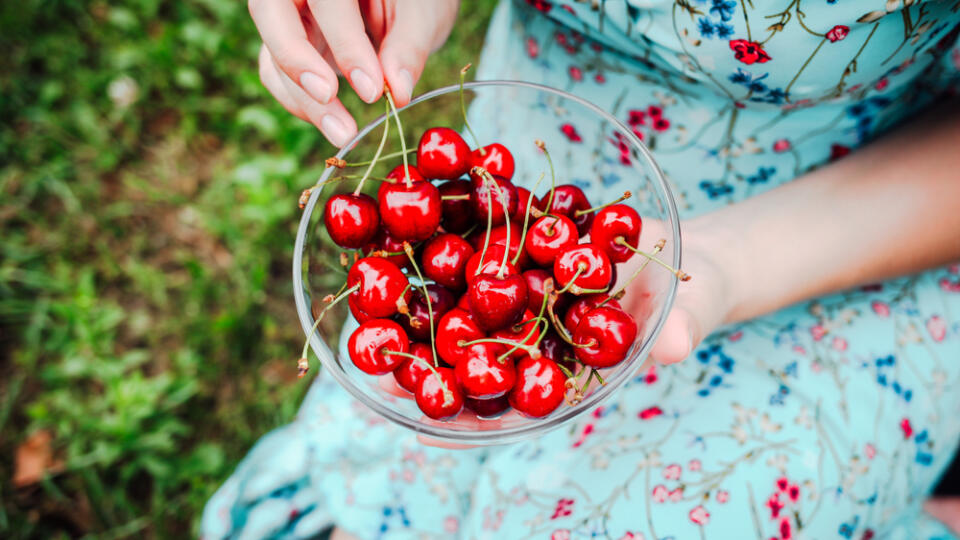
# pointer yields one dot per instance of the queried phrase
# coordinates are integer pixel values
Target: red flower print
(937, 328)
(906, 427)
(870, 451)
(598, 412)
(785, 531)
(880, 308)
(839, 344)
(949, 286)
(699, 515)
(650, 412)
(723, 496)
(596, 47)
(542, 6)
(774, 504)
(560, 534)
(736, 336)
(794, 493)
(781, 145)
(651, 376)
(655, 111)
(676, 495)
(451, 524)
(600, 78)
(533, 48)
(818, 331)
(587, 430)
(568, 9)
(561, 38)
(576, 73)
(694, 465)
(571, 132)
(748, 52)
(636, 131)
(867, 535)
(564, 508)
(739, 105)
(882, 84)
(837, 151)
(783, 483)
(837, 33)
(636, 118)
(660, 493)
(672, 471)
(632, 536)
(661, 124)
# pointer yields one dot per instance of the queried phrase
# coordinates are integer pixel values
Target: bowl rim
(500, 435)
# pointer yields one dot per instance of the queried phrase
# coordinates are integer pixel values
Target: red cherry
(352, 220)
(358, 314)
(497, 302)
(487, 408)
(539, 389)
(484, 196)
(523, 196)
(464, 303)
(457, 213)
(517, 333)
(567, 199)
(445, 260)
(495, 158)
(455, 326)
(381, 284)
(582, 305)
(595, 270)
(548, 236)
(371, 340)
(609, 334)
(498, 235)
(481, 375)
(443, 154)
(553, 347)
(396, 174)
(411, 372)
(435, 401)
(491, 263)
(612, 222)
(411, 212)
(388, 244)
(535, 279)
(441, 301)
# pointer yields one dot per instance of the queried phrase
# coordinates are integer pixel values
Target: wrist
(712, 244)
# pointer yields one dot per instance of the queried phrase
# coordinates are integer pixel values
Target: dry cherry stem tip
(304, 198)
(336, 162)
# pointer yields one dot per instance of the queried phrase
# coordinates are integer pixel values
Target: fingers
(343, 29)
(279, 24)
(332, 119)
(271, 80)
(410, 40)
(677, 338)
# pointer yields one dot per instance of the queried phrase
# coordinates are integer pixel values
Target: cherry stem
(463, 197)
(341, 164)
(681, 275)
(553, 174)
(408, 249)
(547, 289)
(316, 324)
(561, 330)
(463, 110)
(526, 221)
(528, 349)
(376, 155)
(656, 249)
(403, 141)
(626, 195)
(447, 395)
(469, 231)
(581, 268)
(486, 239)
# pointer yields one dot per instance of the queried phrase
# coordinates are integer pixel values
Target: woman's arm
(890, 209)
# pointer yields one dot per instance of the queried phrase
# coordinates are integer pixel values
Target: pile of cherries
(477, 293)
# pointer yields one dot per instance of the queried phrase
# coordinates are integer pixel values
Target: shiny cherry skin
(396, 175)
(596, 271)
(441, 301)
(409, 373)
(358, 314)
(495, 158)
(523, 196)
(445, 259)
(582, 305)
(539, 389)
(567, 200)
(369, 343)
(455, 326)
(352, 220)
(553, 347)
(487, 408)
(491, 263)
(498, 235)
(381, 284)
(464, 303)
(481, 375)
(485, 198)
(527, 334)
(535, 287)
(548, 236)
(608, 333)
(443, 154)
(410, 213)
(386, 243)
(433, 400)
(457, 213)
(497, 302)
(612, 222)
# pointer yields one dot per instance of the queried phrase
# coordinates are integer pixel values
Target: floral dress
(829, 419)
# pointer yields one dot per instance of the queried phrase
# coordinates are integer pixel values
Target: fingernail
(364, 86)
(318, 88)
(334, 130)
(406, 85)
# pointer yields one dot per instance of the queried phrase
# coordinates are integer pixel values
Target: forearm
(891, 209)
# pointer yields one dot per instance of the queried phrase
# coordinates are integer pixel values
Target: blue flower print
(762, 175)
(724, 9)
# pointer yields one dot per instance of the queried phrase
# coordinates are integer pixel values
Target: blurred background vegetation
(148, 204)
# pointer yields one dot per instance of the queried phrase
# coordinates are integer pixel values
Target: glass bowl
(589, 148)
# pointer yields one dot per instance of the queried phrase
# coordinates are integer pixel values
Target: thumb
(415, 29)
(680, 334)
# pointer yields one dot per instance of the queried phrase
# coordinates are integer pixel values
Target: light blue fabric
(829, 419)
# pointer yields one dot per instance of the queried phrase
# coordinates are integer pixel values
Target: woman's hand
(306, 43)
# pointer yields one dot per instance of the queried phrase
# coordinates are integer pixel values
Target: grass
(146, 314)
